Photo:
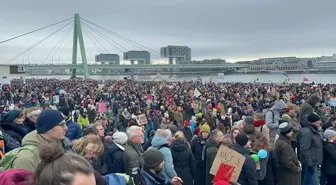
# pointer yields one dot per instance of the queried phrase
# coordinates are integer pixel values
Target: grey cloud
(217, 28)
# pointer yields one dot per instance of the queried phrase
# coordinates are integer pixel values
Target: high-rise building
(108, 59)
(142, 57)
(176, 54)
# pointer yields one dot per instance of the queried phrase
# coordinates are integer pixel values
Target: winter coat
(29, 125)
(197, 145)
(184, 161)
(272, 118)
(289, 165)
(260, 125)
(16, 131)
(29, 160)
(272, 171)
(74, 131)
(133, 160)
(159, 142)
(154, 179)
(248, 173)
(329, 162)
(311, 146)
(82, 121)
(306, 108)
(114, 158)
(187, 133)
(211, 148)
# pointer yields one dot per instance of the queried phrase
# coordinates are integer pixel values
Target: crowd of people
(87, 132)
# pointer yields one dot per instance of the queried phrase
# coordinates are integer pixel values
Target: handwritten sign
(230, 157)
(141, 119)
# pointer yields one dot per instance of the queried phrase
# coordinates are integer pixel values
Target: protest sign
(141, 119)
(230, 157)
(56, 99)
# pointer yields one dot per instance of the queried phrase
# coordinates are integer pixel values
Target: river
(265, 78)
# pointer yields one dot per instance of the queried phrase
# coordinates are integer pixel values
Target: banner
(196, 93)
(229, 157)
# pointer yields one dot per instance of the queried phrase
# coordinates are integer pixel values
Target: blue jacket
(114, 159)
(160, 142)
(74, 130)
(152, 180)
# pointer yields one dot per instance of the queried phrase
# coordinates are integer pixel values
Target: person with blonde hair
(31, 118)
(89, 146)
(183, 159)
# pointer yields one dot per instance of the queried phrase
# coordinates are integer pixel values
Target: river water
(265, 78)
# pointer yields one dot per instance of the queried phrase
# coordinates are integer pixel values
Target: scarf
(258, 123)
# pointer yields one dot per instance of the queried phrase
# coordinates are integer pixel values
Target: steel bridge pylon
(78, 39)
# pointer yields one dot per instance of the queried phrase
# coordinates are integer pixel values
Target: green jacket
(29, 160)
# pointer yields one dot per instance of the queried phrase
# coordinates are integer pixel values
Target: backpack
(118, 179)
(8, 159)
(272, 114)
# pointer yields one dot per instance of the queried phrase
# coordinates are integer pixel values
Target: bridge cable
(31, 47)
(58, 45)
(93, 39)
(106, 38)
(120, 36)
(34, 31)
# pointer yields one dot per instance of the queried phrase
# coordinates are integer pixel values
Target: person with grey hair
(162, 141)
(133, 161)
(31, 118)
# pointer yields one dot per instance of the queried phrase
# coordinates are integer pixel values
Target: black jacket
(184, 162)
(272, 174)
(16, 131)
(114, 159)
(248, 174)
(211, 148)
(329, 162)
(306, 108)
(311, 146)
(187, 133)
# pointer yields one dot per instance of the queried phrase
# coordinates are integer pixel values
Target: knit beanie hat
(119, 138)
(285, 128)
(248, 120)
(313, 117)
(47, 120)
(15, 177)
(186, 123)
(10, 116)
(152, 158)
(242, 139)
(173, 129)
(329, 134)
(205, 128)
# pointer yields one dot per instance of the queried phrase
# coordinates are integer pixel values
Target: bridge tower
(78, 39)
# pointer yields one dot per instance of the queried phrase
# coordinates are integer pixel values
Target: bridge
(158, 66)
(80, 25)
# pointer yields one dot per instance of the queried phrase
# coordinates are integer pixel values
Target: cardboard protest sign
(230, 157)
(141, 119)
(222, 110)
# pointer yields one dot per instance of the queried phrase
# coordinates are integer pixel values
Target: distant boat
(274, 71)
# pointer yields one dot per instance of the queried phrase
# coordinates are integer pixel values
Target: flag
(305, 80)
(196, 93)
(285, 74)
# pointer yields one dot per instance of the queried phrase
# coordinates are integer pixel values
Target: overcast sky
(229, 29)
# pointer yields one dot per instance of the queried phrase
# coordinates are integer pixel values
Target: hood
(211, 143)
(249, 129)
(258, 123)
(179, 145)
(114, 147)
(279, 105)
(313, 100)
(158, 140)
(17, 128)
(33, 138)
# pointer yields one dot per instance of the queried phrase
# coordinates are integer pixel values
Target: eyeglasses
(62, 124)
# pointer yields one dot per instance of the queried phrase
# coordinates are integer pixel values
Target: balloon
(255, 157)
(262, 154)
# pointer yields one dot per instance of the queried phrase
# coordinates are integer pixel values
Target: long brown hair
(57, 167)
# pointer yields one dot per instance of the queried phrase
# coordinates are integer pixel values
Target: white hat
(119, 138)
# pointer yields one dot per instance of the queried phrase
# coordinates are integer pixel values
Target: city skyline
(232, 30)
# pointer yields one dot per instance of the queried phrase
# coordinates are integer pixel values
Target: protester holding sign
(248, 173)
